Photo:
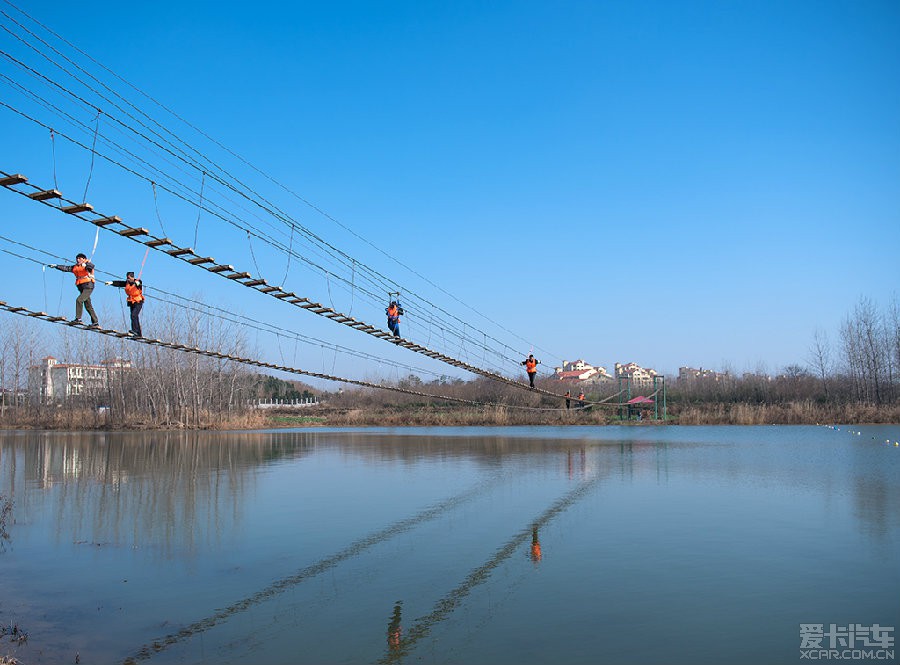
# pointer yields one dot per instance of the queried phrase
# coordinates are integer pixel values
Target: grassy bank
(435, 415)
(804, 412)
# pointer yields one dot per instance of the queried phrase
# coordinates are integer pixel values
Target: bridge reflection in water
(489, 545)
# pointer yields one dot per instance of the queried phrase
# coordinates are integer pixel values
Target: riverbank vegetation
(853, 380)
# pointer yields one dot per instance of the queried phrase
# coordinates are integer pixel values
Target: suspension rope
(24, 311)
(225, 148)
(53, 156)
(252, 255)
(199, 209)
(268, 206)
(93, 153)
(290, 250)
(156, 206)
(172, 345)
(217, 312)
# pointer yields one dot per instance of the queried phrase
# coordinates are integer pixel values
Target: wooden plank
(77, 208)
(45, 195)
(180, 251)
(16, 179)
(200, 260)
(105, 221)
(130, 233)
(158, 242)
(239, 275)
(255, 282)
(222, 267)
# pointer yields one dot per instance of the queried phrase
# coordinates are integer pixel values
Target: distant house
(639, 375)
(579, 371)
(689, 374)
(53, 381)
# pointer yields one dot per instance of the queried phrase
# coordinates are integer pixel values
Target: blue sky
(696, 183)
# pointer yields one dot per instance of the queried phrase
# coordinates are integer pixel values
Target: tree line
(860, 365)
(141, 385)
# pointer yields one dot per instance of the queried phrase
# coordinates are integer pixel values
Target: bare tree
(820, 358)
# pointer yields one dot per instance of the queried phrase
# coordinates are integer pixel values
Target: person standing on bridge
(134, 294)
(531, 364)
(393, 311)
(84, 282)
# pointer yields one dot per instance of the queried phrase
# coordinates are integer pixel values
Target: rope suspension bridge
(146, 149)
(15, 182)
(113, 223)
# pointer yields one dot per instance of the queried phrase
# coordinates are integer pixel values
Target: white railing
(285, 403)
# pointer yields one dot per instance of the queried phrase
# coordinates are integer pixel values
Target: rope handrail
(119, 334)
(111, 332)
(113, 223)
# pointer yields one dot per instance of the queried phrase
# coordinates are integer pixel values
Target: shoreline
(431, 415)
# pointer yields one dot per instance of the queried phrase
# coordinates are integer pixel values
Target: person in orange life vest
(84, 282)
(531, 364)
(581, 399)
(134, 293)
(393, 311)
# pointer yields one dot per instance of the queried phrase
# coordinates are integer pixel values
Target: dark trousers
(394, 327)
(531, 378)
(84, 300)
(135, 308)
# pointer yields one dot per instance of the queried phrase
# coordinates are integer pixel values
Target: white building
(53, 381)
(639, 376)
(579, 370)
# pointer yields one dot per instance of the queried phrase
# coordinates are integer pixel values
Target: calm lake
(451, 545)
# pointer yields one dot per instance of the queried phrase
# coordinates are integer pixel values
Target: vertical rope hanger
(352, 287)
(199, 209)
(93, 154)
(253, 256)
(290, 252)
(53, 157)
(156, 205)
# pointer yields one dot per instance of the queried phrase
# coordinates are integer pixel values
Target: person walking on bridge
(393, 311)
(134, 294)
(531, 364)
(84, 282)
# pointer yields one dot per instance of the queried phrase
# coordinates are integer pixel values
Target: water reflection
(448, 604)
(308, 572)
(395, 630)
(175, 489)
(536, 554)
(659, 511)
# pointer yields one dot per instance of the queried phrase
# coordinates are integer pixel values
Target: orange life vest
(393, 314)
(134, 293)
(531, 365)
(82, 275)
